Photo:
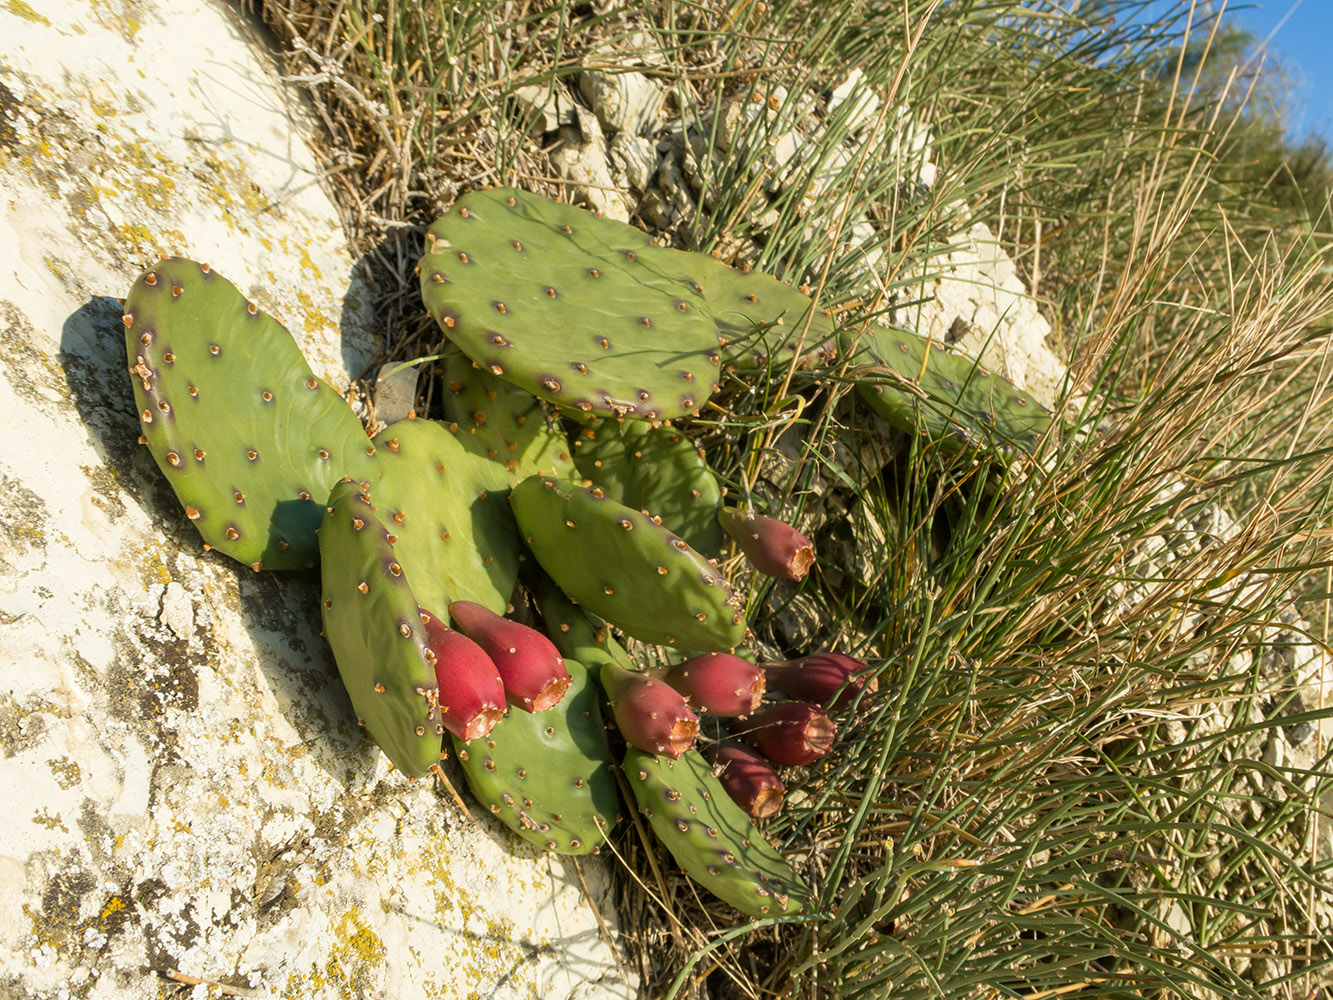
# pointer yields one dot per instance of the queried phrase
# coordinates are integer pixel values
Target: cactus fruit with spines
(721, 683)
(471, 694)
(531, 667)
(748, 777)
(547, 775)
(623, 566)
(819, 677)
(649, 713)
(790, 733)
(772, 547)
(931, 389)
(372, 620)
(250, 440)
(657, 469)
(711, 837)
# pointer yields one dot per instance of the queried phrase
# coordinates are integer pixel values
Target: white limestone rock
(187, 786)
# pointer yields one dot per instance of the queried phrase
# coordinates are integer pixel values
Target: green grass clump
(1072, 781)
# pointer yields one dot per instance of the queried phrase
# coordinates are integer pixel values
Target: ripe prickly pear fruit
(472, 696)
(748, 778)
(531, 667)
(649, 713)
(721, 683)
(792, 733)
(819, 677)
(773, 547)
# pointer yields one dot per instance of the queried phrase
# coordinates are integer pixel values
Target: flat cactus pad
(250, 440)
(957, 402)
(547, 775)
(620, 564)
(373, 623)
(711, 837)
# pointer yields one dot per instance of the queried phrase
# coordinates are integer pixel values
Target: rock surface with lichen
(189, 795)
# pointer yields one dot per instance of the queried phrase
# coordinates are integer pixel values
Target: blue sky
(1300, 34)
(1300, 38)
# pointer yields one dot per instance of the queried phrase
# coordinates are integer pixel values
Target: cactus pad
(373, 623)
(582, 311)
(657, 469)
(711, 837)
(498, 420)
(546, 775)
(447, 505)
(621, 565)
(250, 440)
(964, 405)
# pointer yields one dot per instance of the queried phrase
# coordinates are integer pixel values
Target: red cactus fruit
(472, 696)
(818, 677)
(721, 683)
(533, 672)
(773, 548)
(792, 733)
(748, 778)
(649, 713)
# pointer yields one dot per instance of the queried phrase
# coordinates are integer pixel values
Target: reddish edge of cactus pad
(791, 733)
(749, 779)
(820, 676)
(773, 547)
(472, 695)
(649, 713)
(532, 669)
(721, 683)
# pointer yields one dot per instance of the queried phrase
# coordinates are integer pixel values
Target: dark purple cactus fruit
(818, 677)
(748, 778)
(649, 713)
(533, 672)
(773, 547)
(792, 733)
(721, 683)
(472, 696)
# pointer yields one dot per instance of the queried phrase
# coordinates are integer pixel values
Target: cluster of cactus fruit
(550, 314)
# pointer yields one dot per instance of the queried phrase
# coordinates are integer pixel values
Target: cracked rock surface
(187, 790)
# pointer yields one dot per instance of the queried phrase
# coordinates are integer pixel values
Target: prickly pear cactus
(965, 406)
(248, 437)
(373, 623)
(447, 504)
(657, 469)
(621, 565)
(547, 775)
(498, 420)
(765, 323)
(711, 837)
(579, 310)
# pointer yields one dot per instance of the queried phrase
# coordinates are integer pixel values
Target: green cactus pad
(657, 469)
(711, 837)
(250, 440)
(547, 775)
(763, 321)
(964, 405)
(588, 313)
(578, 637)
(498, 420)
(373, 623)
(448, 506)
(620, 564)
(582, 311)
